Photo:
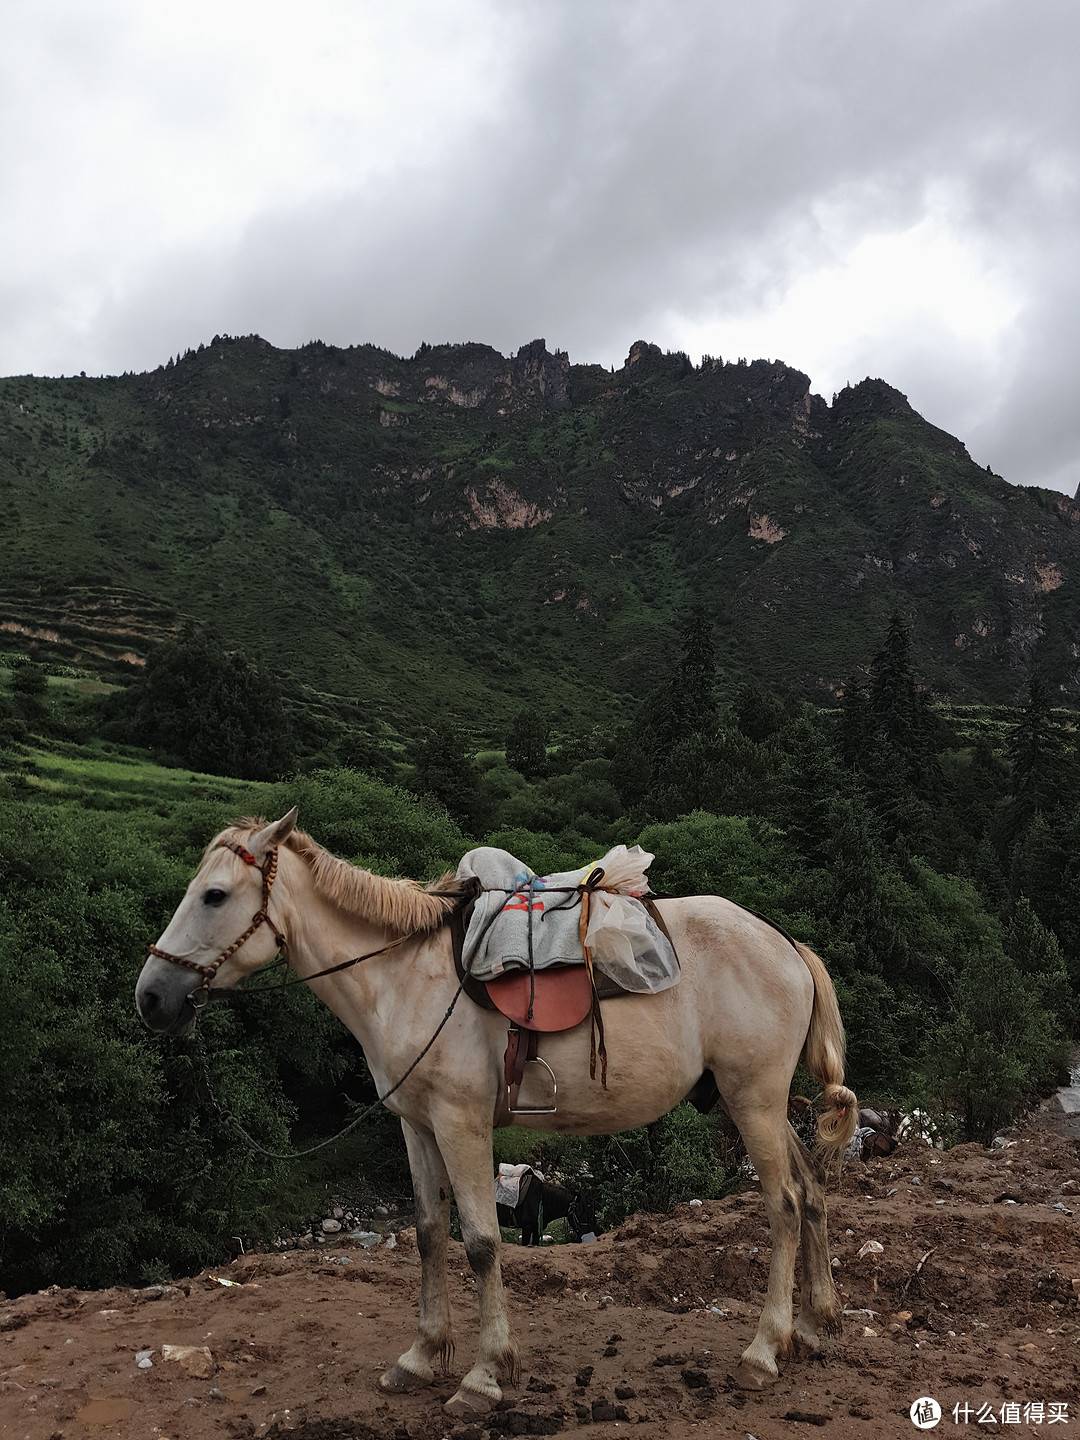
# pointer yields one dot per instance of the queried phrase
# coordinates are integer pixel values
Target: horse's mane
(403, 906)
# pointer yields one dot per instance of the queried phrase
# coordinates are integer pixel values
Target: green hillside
(465, 533)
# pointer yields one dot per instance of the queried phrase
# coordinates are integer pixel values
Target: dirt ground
(972, 1300)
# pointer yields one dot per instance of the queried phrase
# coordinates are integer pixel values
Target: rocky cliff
(462, 524)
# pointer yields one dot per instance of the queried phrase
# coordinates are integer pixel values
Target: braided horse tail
(824, 1056)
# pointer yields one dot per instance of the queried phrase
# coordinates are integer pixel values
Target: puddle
(106, 1412)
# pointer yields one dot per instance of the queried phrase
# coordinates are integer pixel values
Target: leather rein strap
(268, 870)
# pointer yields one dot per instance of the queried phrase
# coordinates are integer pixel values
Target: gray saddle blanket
(523, 920)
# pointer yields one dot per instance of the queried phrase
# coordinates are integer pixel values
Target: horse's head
(221, 932)
(581, 1216)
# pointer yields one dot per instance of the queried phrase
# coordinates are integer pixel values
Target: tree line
(931, 857)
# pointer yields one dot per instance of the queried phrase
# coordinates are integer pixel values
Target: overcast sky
(855, 187)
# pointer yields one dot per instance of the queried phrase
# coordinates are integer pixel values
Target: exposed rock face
(548, 374)
(500, 508)
(577, 499)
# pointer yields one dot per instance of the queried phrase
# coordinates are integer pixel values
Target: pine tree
(526, 744)
(212, 709)
(685, 704)
(899, 710)
(446, 770)
(855, 733)
(678, 737)
(1036, 750)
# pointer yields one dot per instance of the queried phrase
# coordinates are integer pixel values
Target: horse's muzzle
(163, 1012)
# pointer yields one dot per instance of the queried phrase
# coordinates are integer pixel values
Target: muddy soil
(971, 1300)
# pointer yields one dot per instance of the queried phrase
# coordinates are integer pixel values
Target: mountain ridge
(469, 529)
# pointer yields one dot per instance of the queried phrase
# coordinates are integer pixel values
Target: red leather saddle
(549, 1000)
(535, 1002)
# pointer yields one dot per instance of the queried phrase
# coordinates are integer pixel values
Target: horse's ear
(276, 833)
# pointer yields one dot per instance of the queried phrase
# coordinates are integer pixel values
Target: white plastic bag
(628, 947)
(624, 870)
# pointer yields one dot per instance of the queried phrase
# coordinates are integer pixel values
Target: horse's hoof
(805, 1347)
(468, 1405)
(399, 1381)
(753, 1377)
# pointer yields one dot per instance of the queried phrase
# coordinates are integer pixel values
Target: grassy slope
(316, 506)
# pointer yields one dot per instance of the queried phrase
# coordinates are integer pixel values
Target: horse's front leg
(468, 1155)
(433, 1347)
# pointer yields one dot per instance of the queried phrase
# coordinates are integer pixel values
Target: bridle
(201, 994)
(268, 870)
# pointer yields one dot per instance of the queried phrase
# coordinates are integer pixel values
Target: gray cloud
(618, 170)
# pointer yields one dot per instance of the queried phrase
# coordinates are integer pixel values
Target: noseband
(268, 870)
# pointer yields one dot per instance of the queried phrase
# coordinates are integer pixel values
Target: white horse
(748, 1003)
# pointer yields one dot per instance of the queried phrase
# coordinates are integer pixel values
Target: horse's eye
(215, 897)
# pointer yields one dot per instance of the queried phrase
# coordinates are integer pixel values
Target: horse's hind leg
(819, 1311)
(764, 1129)
(433, 1347)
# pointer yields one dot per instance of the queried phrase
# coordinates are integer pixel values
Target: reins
(250, 1140)
(268, 870)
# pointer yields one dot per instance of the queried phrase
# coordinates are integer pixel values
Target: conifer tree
(685, 704)
(1036, 749)
(526, 744)
(446, 770)
(679, 726)
(855, 733)
(212, 709)
(899, 710)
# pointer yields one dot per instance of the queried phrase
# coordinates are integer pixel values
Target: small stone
(194, 1360)
(259, 1390)
(584, 1375)
(331, 1227)
(338, 1213)
(625, 1392)
(1071, 1187)
(603, 1410)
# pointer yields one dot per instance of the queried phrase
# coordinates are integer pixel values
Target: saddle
(540, 1002)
